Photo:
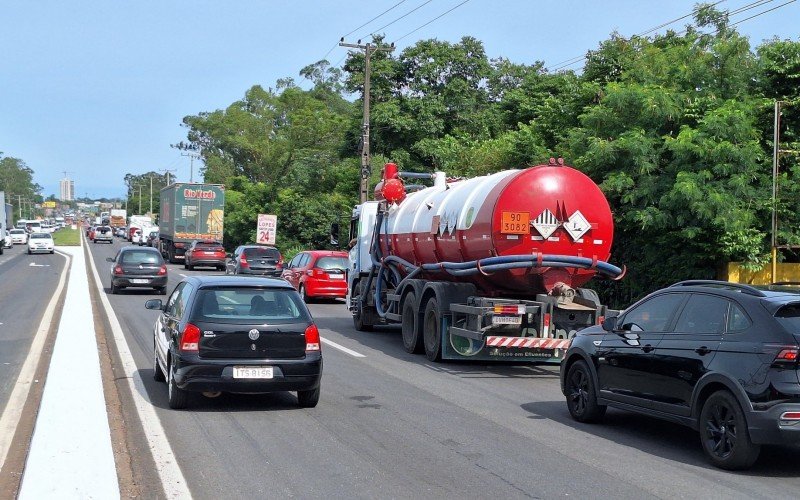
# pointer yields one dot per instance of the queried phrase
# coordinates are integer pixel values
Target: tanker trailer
(487, 268)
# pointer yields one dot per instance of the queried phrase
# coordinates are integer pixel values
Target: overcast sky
(99, 88)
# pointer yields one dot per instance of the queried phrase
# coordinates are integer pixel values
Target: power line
(432, 20)
(376, 17)
(575, 60)
(399, 18)
(743, 9)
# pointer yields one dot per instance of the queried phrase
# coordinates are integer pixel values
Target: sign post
(265, 231)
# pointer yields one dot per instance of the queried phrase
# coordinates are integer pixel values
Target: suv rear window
(44, 236)
(246, 305)
(269, 253)
(789, 317)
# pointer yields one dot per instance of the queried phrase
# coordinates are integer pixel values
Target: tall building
(67, 190)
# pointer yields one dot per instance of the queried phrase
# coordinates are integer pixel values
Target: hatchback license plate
(506, 320)
(252, 372)
(139, 281)
(336, 276)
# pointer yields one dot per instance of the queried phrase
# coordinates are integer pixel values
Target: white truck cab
(362, 227)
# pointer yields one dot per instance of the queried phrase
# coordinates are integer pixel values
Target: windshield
(249, 305)
(41, 236)
(17, 231)
(332, 263)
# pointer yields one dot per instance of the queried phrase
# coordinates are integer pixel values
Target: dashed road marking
(342, 348)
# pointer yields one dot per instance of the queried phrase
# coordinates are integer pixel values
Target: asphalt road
(393, 425)
(26, 284)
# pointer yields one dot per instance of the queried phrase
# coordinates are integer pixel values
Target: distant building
(67, 188)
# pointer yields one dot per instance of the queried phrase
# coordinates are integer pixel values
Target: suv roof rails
(749, 290)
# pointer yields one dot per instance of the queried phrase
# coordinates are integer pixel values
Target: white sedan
(18, 236)
(41, 242)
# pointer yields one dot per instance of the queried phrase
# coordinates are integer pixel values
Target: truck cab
(362, 228)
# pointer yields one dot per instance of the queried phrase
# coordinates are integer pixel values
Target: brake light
(312, 338)
(516, 309)
(190, 339)
(600, 320)
(243, 261)
(787, 355)
(117, 269)
(791, 415)
(319, 273)
(163, 270)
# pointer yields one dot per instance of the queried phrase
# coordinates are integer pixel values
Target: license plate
(506, 320)
(139, 281)
(252, 372)
(336, 276)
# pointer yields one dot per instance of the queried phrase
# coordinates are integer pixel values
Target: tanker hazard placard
(516, 223)
(265, 232)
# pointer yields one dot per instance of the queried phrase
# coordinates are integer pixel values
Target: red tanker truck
(488, 268)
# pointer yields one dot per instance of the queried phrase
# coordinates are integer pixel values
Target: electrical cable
(376, 17)
(399, 18)
(429, 22)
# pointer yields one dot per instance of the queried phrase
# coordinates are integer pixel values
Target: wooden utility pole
(191, 156)
(366, 168)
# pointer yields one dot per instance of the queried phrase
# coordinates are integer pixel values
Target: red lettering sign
(190, 194)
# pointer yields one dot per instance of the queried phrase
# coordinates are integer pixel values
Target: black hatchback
(225, 334)
(719, 357)
(136, 267)
(255, 260)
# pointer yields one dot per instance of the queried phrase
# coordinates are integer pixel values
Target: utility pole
(140, 199)
(166, 172)
(366, 168)
(191, 156)
(151, 195)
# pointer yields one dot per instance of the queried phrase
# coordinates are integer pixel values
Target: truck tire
(361, 320)
(432, 330)
(412, 340)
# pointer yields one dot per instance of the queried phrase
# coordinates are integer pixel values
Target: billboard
(266, 228)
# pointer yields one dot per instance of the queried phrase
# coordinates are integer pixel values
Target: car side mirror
(109, 259)
(155, 304)
(609, 324)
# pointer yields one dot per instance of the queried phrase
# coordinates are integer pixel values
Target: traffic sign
(266, 229)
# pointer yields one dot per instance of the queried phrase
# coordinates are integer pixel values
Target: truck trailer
(188, 212)
(118, 217)
(487, 268)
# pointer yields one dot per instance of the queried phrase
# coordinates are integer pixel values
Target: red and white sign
(267, 226)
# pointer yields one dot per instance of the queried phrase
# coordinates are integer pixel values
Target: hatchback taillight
(190, 340)
(163, 270)
(243, 261)
(117, 269)
(788, 354)
(312, 338)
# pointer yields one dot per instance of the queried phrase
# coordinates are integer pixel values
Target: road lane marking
(181, 274)
(33, 264)
(13, 410)
(342, 348)
(172, 479)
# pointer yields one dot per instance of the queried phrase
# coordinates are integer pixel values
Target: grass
(67, 237)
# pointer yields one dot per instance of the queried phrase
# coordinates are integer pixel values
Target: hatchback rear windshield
(269, 253)
(44, 236)
(332, 263)
(789, 317)
(249, 305)
(141, 258)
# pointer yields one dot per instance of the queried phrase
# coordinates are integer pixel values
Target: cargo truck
(188, 212)
(118, 217)
(488, 268)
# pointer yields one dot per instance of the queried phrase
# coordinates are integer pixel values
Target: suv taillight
(787, 355)
(312, 338)
(190, 340)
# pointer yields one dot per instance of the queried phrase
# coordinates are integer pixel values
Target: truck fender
(446, 294)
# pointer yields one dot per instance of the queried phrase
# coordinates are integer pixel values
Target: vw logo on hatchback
(253, 334)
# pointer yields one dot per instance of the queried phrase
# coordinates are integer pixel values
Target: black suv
(719, 357)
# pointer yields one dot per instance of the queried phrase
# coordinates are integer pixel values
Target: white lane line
(342, 348)
(13, 409)
(169, 471)
(181, 274)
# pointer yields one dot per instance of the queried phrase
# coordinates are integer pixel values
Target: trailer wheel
(432, 330)
(412, 340)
